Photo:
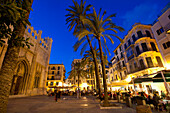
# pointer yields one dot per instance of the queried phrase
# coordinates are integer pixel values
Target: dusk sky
(49, 16)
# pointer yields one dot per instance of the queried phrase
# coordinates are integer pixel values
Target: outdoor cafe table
(164, 101)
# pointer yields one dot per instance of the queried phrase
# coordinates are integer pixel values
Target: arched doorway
(19, 79)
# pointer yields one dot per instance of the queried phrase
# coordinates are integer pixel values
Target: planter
(128, 101)
(111, 107)
(143, 109)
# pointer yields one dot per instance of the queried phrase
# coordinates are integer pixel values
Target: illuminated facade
(138, 56)
(56, 76)
(32, 67)
(161, 31)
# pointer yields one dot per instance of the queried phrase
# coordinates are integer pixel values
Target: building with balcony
(56, 76)
(32, 67)
(138, 56)
(161, 31)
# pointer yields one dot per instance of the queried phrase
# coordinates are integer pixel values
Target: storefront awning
(158, 77)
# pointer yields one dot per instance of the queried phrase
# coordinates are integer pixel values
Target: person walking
(56, 95)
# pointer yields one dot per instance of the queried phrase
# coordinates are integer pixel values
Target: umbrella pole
(166, 85)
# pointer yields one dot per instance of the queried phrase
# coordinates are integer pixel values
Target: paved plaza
(67, 104)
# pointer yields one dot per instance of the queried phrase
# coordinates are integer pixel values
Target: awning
(158, 77)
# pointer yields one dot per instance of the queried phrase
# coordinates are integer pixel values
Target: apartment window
(148, 34)
(125, 73)
(53, 68)
(116, 52)
(125, 45)
(121, 55)
(46, 83)
(153, 46)
(52, 72)
(149, 61)
(144, 47)
(129, 42)
(123, 63)
(51, 83)
(131, 68)
(135, 65)
(120, 48)
(58, 72)
(117, 58)
(58, 68)
(121, 76)
(116, 77)
(52, 78)
(159, 61)
(142, 64)
(166, 45)
(56, 83)
(134, 38)
(160, 31)
(137, 50)
(139, 33)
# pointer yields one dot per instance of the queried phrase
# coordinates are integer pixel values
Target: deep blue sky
(49, 16)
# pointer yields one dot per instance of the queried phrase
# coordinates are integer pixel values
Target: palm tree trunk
(96, 67)
(106, 103)
(78, 86)
(6, 76)
(9, 65)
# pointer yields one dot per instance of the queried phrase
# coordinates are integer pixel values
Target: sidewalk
(67, 104)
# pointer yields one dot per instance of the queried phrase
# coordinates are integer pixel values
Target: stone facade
(32, 67)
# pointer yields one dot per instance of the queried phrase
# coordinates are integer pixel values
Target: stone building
(161, 31)
(32, 67)
(56, 76)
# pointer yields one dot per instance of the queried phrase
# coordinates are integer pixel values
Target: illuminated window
(166, 45)
(137, 50)
(144, 47)
(53, 72)
(142, 64)
(149, 61)
(160, 31)
(153, 46)
(159, 61)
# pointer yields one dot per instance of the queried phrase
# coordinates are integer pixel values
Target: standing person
(56, 95)
(156, 99)
(162, 95)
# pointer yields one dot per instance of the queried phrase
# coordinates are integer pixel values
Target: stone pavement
(67, 104)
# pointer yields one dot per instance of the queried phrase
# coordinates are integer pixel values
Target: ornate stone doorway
(20, 79)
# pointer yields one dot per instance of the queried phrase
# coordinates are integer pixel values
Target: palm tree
(98, 27)
(79, 72)
(15, 41)
(75, 14)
